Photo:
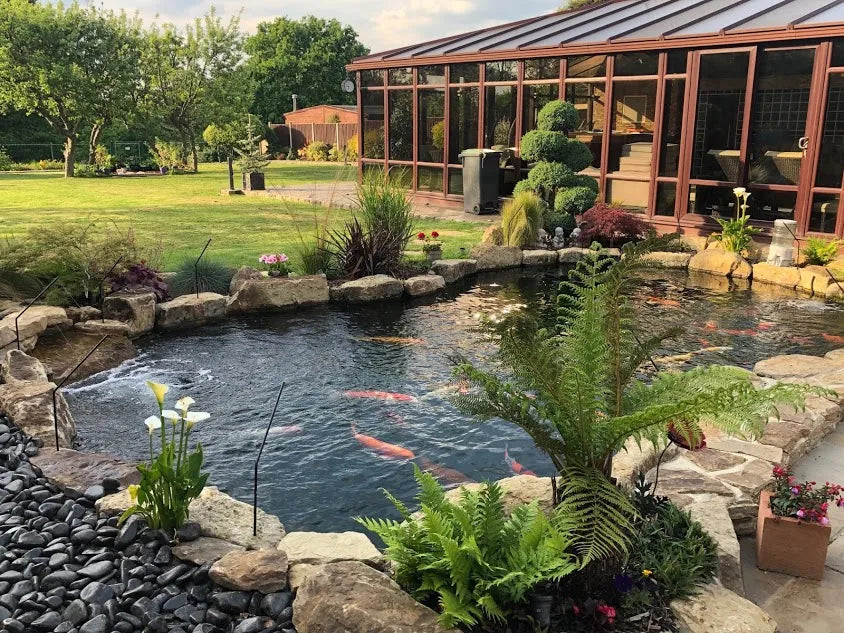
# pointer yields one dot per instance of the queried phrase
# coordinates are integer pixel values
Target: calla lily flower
(153, 423)
(197, 416)
(171, 415)
(159, 390)
(739, 191)
(133, 492)
(183, 404)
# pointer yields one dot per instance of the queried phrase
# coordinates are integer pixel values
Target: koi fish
(677, 358)
(384, 449)
(396, 418)
(741, 332)
(290, 429)
(704, 342)
(833, 338)
(800, 340)
(670, 303)
(515, 466)
(393, 340)
(444, 474)
(766, 325)
(380, 395)
(710, 325)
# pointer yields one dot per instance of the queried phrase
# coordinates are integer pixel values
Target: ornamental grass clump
(172, 478)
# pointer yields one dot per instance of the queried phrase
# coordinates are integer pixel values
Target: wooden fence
(335, 134)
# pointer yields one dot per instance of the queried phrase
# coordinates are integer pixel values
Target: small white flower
(153, 423)
(183, 404)
(739, 191)
(171, 415)
(197, 416)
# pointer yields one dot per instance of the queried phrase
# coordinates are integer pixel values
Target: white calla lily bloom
(171, 415)
(153, 423)
(197, 416)
(183, 404)
(739, 191)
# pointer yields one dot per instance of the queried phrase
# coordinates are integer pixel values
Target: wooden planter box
(253, 181)
(790, 546)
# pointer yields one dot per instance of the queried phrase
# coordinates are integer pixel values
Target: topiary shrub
(521, 219)
(558, 159)
(611, 226)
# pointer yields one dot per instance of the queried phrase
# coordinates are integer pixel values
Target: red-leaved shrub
(610, 226)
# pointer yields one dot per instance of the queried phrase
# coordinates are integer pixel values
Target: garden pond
(359, 375)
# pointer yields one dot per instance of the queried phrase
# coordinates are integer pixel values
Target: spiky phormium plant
(574, 389)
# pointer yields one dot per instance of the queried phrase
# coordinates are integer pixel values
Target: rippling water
(314, 474)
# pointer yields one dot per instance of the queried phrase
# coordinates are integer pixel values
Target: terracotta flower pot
(788, 545)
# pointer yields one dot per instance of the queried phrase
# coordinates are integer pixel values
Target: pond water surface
(315, 475)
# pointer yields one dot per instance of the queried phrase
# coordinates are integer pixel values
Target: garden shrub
(316, 151)
(138, 276)
(170, 155)
(553, 219)
(611, 226)
(469, 558)
(102, 159)
(5, 160)
(821, 252)
(521, 219)
(209, 275)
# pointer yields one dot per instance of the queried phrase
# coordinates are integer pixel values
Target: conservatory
(679, 101)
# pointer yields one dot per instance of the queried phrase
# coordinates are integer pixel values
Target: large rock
(718, 610)
(219, 516)
(719, 262)
(492, 257)
(664, 259)
(61, 352)
(259, 570)
(30, 407)
(137, 309)
(268, 294)
(354, 598)
(794, 366)
(423, 285)
(31, 324)
(104, 327)
(75, 472)
(190, 311)
(320, 548)
(244, 274)
(814, 280)
(78, 314)
(517, 490)
(365, 289)
(454, 269)
(714, 516)
(539, 257)
(786, 276)
(571, 254)
(17, 368)
(204, 550)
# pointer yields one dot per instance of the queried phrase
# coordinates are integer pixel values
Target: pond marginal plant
(172, 478)
(577, 391)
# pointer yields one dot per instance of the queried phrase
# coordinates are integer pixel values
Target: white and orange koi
(380, 395)
(515, 466)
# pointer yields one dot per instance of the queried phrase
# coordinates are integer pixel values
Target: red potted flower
(792, 531)
(432, 248)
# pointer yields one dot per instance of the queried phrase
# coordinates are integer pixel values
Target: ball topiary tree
(558, 159)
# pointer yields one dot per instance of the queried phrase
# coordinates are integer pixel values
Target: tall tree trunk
(194, 154)
(69, 155)
(93, 141)
(231, 172)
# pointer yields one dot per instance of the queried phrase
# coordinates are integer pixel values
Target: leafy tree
(223, 138)
(305, 57)
(193, 77)
(576, 390)
(69, 65)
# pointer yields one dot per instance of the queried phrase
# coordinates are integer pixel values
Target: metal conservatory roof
(627, 24)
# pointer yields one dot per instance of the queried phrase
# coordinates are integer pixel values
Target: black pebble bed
(63, 569)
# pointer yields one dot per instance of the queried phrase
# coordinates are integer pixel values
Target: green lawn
(182, 211)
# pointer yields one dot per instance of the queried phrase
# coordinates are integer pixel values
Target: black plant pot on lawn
(253, 181)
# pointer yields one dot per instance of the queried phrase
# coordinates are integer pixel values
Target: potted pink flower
(792, 531)
(278, 265)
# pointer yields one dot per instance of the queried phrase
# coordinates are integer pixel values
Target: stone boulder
(244, 274)
(270, 294)
(661, 259)
(204, 550)
(61, 351)
(794, 366)
(517, 490)
(572, 254)
(259, 570)
(31, 324)
(786, 276)
(718, 262)
(454, 269)
(190, 311)
(539, 257)
(423, 285)
(137, 309)
(75, 472)
(714, 516)
(17, 368)
(815, 280)
(321, 548)
(82, 313)
(365, 289)
(354, 598)
(718, 610)
(219, 516)
(104, 327)
(492, 257)
(30, 407)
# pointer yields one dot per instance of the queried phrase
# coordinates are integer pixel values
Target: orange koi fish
(710, 325)
(444, 474)
(393, 340)
(380, 395)
(670, 303)
(741, 332)
(384, 449)
(833, 338)
(766, 325)
(800, 340)
(515, 466)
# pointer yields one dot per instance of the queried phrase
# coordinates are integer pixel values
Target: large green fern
(475, 560)
(574, 389)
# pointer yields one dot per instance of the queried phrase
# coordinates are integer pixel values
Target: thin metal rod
(788, 228)
(64, 380)
(29, 305)
(196, 267)
(258, 459)
(101, 296)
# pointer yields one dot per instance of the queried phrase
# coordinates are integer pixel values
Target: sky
(381, 24)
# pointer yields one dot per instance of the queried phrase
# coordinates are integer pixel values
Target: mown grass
(179, 213)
